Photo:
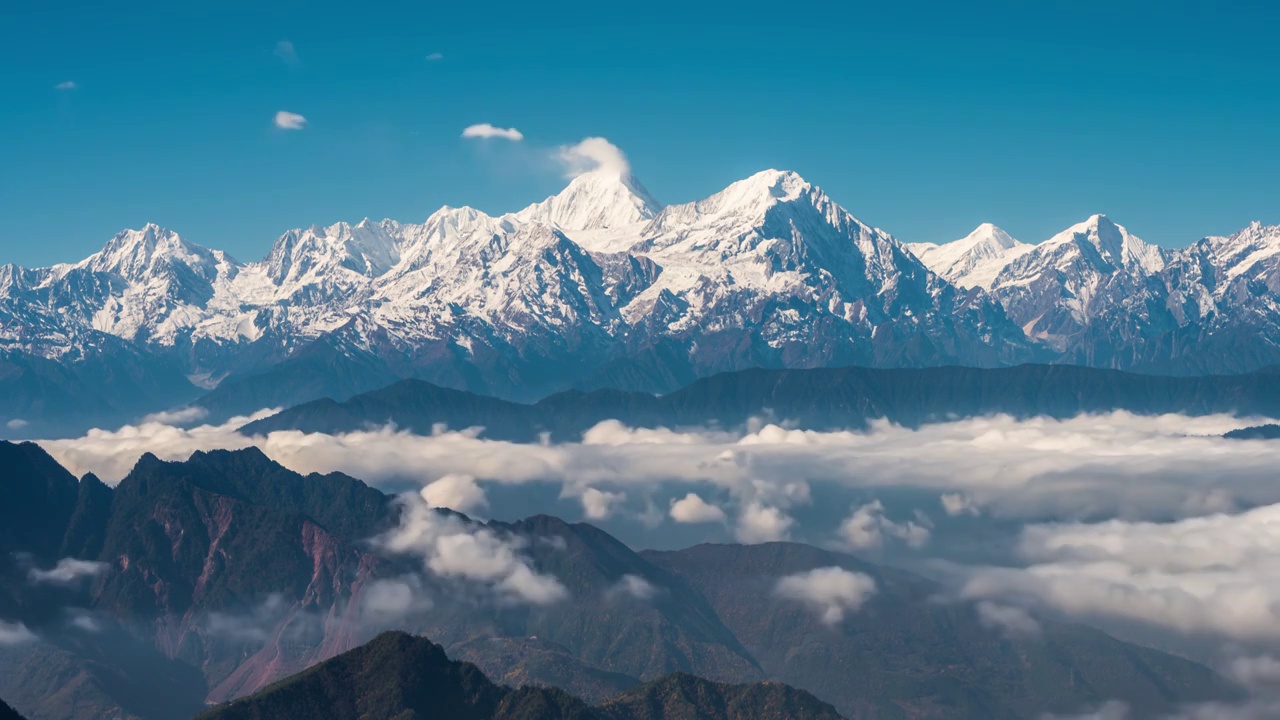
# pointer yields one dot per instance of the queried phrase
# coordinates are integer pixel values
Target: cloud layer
(1217, 575)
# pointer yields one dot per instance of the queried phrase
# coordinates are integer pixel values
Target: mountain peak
(1113, 243)
(974, 260)
(596, 200)
(133, 254)
(988, 234)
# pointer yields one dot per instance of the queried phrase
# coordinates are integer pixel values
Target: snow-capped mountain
(600, 285)
(975, 259)
(1063, 285)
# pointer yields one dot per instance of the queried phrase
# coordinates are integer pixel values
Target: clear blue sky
(924, 118)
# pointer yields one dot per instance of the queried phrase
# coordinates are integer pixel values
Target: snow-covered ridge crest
(974, 260)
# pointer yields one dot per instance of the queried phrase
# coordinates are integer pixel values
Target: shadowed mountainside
(400, 676)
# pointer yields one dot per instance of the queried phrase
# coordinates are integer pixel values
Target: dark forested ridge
(817, 399)
(400, 676)
(8, 713)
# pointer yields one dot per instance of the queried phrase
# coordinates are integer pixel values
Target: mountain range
(818, 399)
(602, 287)
(211, 579)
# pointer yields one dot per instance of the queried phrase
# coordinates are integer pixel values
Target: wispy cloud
(67, 572)
(287, 53)
(286, 120)
(15, 633)
(66, 85)
(485, 131)
(435, 56)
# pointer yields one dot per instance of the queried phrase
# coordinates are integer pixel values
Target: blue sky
(924, 118)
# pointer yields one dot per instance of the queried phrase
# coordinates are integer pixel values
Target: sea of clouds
(1137, 524)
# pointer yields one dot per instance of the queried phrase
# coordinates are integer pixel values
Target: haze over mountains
(600, 286)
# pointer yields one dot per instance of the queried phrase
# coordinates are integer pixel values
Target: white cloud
(593, 153)
(759, 523)
(15, 633)
(831, 591)
(634, 586)
(1115, 465)
(67, 571)
(435, 56)
(286, 120)
(17, 424)
(1255, 672)
(1014, 622)
(485, 130)
(693, 509)
(456, 492)
(452, 548)
(866, 527)
(1217, 575)
(600, 504)
(181, 416)
(287, 53)
(956, 504)
(390, 600)
(85, 622)
(66, 85)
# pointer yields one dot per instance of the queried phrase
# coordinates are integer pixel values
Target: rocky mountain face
(213, 578)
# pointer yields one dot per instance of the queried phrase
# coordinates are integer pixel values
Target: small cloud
(15, 633)
(67, 571)
(287, 53)
(600, 504)
(66, 85)
(693, 509)
(181, 416)
(832, 591)
(957, 504)
(485, 130)
(435, 56)
(1013, 621)
(286, 120)
(393, 599)
(16, 424)
(758, 523)
(592, 154)
(456, 492)
(634, 586)
(866, 527)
